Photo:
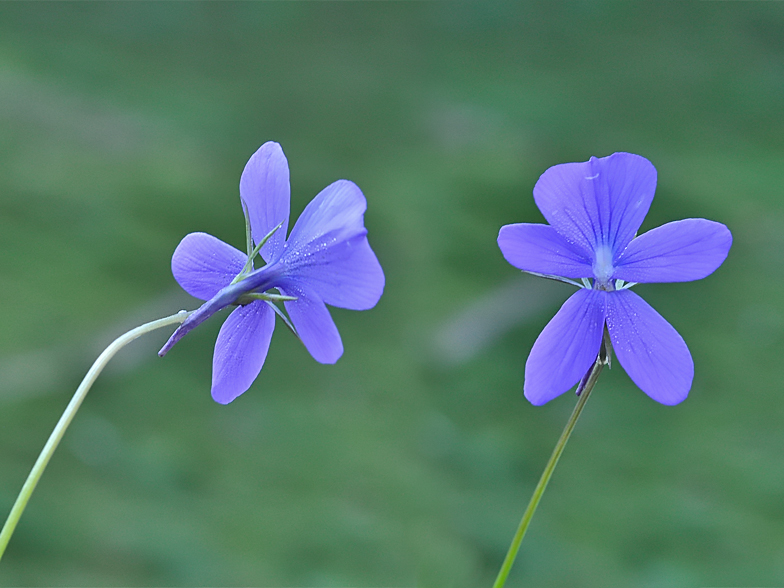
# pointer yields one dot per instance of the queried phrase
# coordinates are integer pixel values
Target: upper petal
(313, 322)
(680, 251)
(203, 264)
(599, 202)
(566, 348)
(328, 249)
(265, 190)
(650, 350)
(337, 210)
(240, 350)
(540, 249)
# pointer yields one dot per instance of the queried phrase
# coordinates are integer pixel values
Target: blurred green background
(124, 126)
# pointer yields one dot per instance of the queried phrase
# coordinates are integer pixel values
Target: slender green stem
(68, 415)
(583, 391)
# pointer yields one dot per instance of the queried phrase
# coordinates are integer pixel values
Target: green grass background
(124, 126)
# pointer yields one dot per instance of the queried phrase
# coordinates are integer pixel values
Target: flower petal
(342, 272)
(680, 251)
(650, 350)
(600, 202)
(262, 279)
(265, 190)
(337, 210)
(566, 348)
(540, 249)
(313, 322)
(203, 264)
(328, 249)
(240, 350)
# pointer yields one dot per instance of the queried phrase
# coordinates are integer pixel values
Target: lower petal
(313, 323)
(566, 348)
(650, 350)
(240, 350)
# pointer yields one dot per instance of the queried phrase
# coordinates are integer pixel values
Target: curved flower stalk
(325, 260)
(594, 210)
(68, 415)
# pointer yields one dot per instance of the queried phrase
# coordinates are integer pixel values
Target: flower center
(603, 268)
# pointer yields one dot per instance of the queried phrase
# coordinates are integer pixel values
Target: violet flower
(326, 259)
(594, 210)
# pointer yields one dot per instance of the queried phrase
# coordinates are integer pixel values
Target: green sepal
(264, 296)
(255, 251)
(248, 236)
(285, 319)
(605, 352)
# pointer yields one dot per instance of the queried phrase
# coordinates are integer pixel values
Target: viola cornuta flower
(325, 260)
(594, 210)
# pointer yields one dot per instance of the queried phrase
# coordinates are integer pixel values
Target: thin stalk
(583, 392)
(68, 415)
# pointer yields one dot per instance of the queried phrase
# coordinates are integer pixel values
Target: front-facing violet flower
(325, 260)
(594, 210)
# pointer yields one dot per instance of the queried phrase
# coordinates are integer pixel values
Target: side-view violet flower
(325, 260)
(594, 210)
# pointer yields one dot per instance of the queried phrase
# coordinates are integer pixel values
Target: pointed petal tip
(268, 150)
(672, 401)
(329, 360)
(171, 342)
(666, 396)
(216, 396)
(676, 392)
(537, 399)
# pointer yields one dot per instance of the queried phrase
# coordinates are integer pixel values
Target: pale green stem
(68, 415)
(584, 391)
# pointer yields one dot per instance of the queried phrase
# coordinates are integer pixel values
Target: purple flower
(326, 259)
(594, 210)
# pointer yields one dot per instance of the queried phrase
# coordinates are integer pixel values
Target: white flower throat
(603, 268)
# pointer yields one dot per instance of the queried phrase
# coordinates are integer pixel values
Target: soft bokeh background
(124, 126)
